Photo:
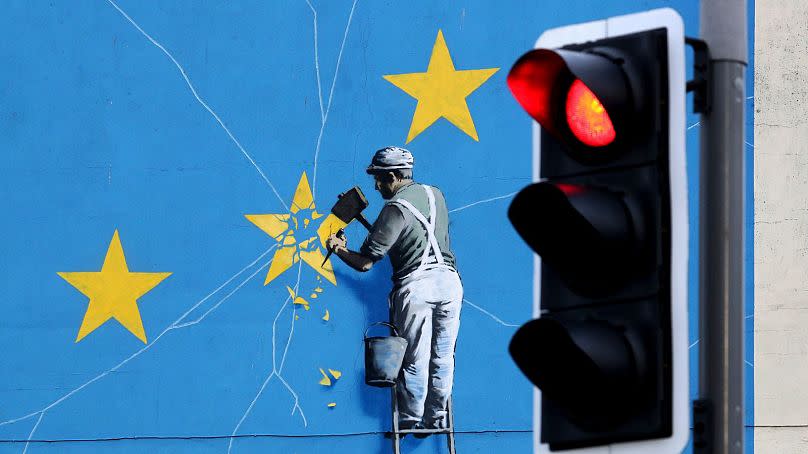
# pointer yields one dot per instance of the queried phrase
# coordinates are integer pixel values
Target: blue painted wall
(100, 130)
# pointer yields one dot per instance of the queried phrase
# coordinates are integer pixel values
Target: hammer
(349, 206)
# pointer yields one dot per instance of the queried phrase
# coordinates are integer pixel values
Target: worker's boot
(421, 435)
(407, 426)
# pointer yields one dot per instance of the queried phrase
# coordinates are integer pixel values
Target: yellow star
(288, 227)
(441, 91)
(113, 292)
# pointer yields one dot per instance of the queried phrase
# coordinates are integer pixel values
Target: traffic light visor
(581, 98)
(533, 80)
(590, 236)
(588, 368)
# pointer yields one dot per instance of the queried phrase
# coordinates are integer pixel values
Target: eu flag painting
(167, 176)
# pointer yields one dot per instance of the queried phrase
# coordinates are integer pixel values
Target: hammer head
(349, 205)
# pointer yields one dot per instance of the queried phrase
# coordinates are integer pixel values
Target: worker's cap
(390, 158)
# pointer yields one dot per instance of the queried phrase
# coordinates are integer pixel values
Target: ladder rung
(425, 431)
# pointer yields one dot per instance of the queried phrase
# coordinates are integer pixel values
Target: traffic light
(607, 216)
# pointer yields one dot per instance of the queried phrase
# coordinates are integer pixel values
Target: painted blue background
(100, 131)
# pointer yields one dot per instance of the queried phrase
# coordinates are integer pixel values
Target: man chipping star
(413, 230)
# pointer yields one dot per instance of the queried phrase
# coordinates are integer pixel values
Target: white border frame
(616, 26)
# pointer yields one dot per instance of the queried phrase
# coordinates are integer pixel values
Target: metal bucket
(383, 357)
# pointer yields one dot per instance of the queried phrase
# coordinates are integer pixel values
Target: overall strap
(429, 225)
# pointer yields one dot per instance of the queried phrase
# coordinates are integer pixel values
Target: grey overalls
(425, 306)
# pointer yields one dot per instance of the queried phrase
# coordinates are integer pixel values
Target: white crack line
(492, 199)
(28, 442)
(494, 317)
(175, 325)
(200, 100)
(317, 63)
(219, 303)
(276, 371)
(333, 84)
(291, 328)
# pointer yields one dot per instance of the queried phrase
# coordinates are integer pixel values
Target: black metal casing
(600, 219)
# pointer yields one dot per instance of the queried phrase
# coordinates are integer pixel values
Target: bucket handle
(389, 325)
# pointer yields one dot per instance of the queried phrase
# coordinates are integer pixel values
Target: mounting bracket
(700, 85)
(702, 426)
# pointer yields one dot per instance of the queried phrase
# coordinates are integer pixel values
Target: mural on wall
(213, 141)
(413, 229)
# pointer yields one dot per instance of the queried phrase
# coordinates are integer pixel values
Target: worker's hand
(336, 243)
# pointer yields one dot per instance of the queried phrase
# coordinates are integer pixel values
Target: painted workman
(413, 230)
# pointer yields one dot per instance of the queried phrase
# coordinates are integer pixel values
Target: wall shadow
(371, 290)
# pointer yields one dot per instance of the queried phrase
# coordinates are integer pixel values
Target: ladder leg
(394, 404)
(395, 437)
(450, 440)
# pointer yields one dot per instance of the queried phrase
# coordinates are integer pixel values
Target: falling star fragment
(297, 299)
(325, 381)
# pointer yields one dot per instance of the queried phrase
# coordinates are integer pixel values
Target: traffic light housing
(607, 216)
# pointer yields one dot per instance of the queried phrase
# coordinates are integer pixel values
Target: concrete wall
(781, 227)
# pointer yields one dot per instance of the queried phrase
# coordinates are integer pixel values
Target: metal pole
(721, 209)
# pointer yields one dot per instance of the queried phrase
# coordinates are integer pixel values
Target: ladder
(397, 433)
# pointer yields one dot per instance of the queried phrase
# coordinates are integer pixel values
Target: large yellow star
(441, 91)
(113, 292)
(296, 235)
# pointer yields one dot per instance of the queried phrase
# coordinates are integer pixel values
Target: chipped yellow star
(295, 235)
(441, 91)
(113, 292)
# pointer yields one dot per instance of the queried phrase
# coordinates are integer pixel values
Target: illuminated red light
(587, 118)
(532, 81)
(570, 189)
